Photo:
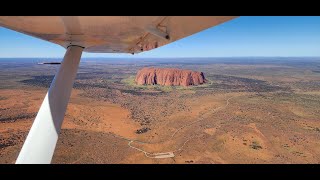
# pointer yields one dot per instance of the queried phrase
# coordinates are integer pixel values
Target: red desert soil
(217, 129)
(169, 77)
(96, 120)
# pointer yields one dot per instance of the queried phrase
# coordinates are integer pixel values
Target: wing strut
(41, 141)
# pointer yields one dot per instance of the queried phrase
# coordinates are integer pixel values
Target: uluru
(169, 77)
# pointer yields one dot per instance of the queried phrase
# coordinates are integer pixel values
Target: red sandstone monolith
(169, 77)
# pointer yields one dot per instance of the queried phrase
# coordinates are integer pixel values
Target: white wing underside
(111, 34)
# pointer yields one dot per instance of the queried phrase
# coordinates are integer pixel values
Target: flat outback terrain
(251, 110)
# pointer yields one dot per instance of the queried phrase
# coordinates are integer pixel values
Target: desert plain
(251, 110)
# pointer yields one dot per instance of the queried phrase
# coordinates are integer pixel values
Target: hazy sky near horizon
(243, 36)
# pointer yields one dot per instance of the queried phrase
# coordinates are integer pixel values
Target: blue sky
(244, 36)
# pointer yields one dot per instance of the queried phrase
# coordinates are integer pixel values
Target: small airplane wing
(111, 34)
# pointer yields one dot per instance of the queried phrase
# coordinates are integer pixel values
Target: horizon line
(168, 57)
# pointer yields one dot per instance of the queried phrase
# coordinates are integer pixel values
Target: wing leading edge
(111, 34)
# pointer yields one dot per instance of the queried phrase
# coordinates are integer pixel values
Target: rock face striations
(169, 77)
